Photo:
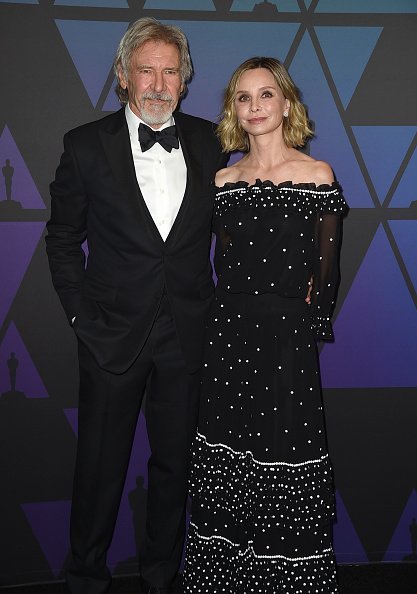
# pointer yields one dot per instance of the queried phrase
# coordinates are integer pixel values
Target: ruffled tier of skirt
(259, 526)
(218, 565)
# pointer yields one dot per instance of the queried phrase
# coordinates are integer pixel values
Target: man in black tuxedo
(137, 188)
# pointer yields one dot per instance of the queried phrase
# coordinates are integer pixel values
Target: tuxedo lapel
(188, 138)
(116, 143)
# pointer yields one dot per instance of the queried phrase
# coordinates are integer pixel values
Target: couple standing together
(239, 363)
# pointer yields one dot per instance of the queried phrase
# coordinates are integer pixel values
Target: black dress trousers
(109, 406)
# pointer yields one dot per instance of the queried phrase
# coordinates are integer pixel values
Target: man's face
(154, 82)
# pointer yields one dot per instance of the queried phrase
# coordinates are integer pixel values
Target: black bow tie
(167, 137)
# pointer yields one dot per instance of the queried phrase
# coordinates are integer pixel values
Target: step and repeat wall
(354, 61)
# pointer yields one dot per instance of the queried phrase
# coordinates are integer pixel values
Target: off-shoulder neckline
(286, 184)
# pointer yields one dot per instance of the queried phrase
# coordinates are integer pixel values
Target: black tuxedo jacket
(95, 196)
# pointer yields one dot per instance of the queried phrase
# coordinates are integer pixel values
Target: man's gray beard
(157, 116)
(153, 119)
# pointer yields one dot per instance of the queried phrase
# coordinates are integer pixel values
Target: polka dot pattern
(261, 478)
(305, 199)
(293, 495)
(276, 238)
(246, 572)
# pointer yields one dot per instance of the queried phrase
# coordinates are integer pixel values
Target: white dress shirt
(162, 176)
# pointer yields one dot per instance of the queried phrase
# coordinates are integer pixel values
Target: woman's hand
(310, 286)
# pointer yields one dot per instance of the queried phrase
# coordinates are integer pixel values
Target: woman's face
(259, 102)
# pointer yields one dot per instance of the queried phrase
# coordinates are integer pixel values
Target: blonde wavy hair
(296, 128)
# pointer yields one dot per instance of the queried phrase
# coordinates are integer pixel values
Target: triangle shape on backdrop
(19, 241)
(404, 539)
(405, 233)
(383, 149)
(223, 5)
(92, 46)
(346, 543)
(347, 51)
(376, 329)
(211, 76)
(406, 191)
(72, 418)
(249, 5)
(28, 380)
(112, 102)
(23, 188)
(93, 3)
(331, 142)
(49, 521)
(179, 4)
(371, 6)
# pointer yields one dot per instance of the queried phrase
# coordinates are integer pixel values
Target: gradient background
(354, 61)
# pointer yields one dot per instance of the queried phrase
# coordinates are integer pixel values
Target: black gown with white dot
(261, 480)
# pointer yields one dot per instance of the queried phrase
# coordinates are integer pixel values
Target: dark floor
(379, 578)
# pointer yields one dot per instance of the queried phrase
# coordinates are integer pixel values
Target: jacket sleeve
(67, 230)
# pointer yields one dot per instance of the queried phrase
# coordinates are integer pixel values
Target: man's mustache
(157, 96)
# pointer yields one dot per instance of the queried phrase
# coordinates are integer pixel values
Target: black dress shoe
(146, 588)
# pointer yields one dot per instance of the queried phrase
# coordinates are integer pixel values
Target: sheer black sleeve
(326, 264)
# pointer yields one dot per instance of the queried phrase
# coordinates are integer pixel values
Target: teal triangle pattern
(406, 192)
(93, 3)
(112, 102)
(347, 51)
(376, 329)
(92, 46)
(282, 5)
(370, 6)
(401, 545)
(180, 5)
(405, 233)
(331, 142)
(386, 146)
(205, 98)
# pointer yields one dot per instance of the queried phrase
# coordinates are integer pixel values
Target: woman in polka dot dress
(261, 480)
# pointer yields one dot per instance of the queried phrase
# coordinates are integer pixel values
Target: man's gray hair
(142, 31)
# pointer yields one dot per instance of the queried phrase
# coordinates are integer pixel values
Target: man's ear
(121, 77)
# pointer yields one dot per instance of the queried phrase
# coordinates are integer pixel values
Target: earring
(285, 114)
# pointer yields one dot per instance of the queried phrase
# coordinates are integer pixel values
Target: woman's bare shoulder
(323, 173)
(312, 171)
(228, 175)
